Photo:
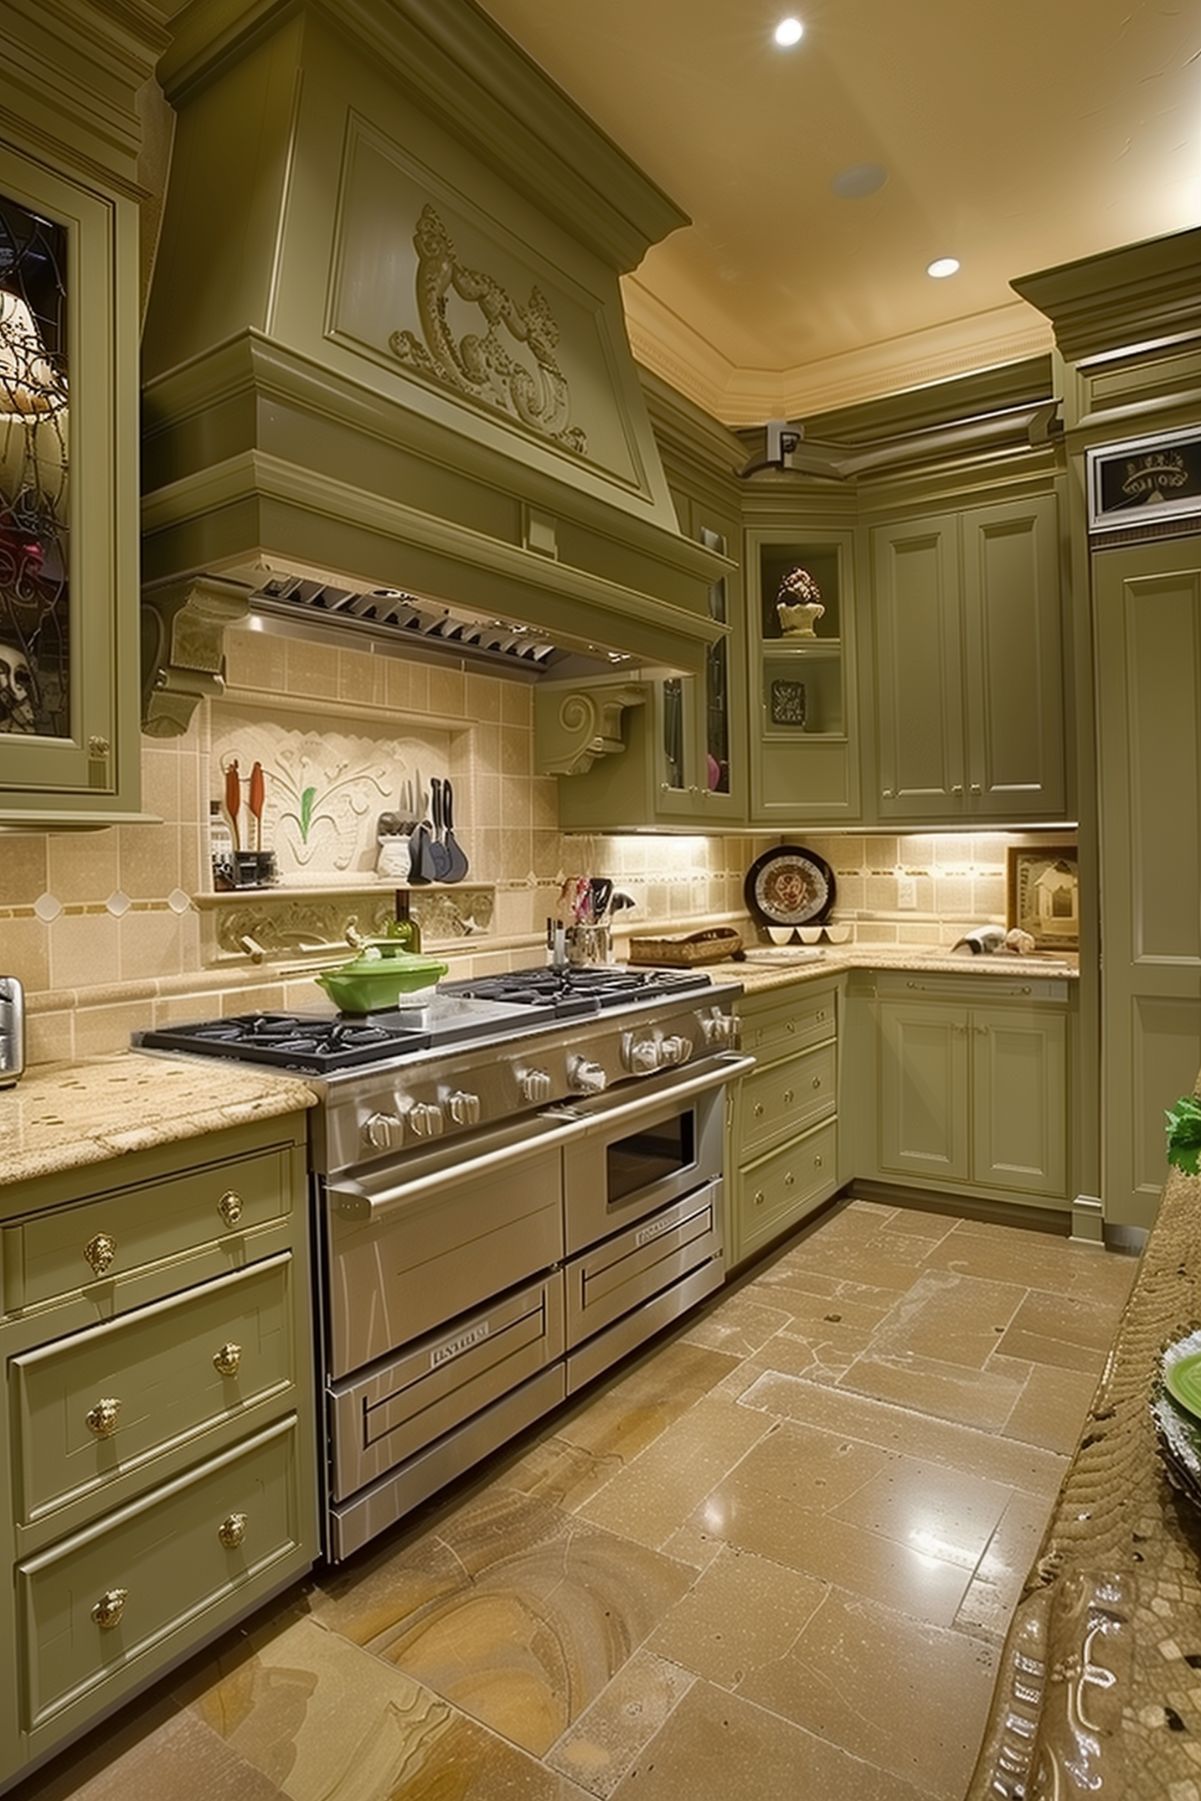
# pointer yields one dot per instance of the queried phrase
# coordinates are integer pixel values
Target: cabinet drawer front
(67, 1248)
(91, 1605)
(96, 1405)
(641, 1262)
(795, 1024)
(787, 1098)
(780, 1188)
(439, 1384)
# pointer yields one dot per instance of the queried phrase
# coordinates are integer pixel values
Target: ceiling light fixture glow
(789, 32)
(943, 266)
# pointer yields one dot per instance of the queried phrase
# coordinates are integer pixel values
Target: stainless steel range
(514, 1185)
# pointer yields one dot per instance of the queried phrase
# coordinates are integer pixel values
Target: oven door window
(650, 1155)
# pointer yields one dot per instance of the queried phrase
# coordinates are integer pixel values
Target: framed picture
(1043, 894)
(1144, 481)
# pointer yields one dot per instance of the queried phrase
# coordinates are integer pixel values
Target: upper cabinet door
(68, 500)
(1014, 659)
(919, 697)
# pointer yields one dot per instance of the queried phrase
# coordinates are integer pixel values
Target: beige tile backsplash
(102, 929)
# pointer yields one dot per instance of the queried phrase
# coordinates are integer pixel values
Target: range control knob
(641, 1055)
(426, 1119)
(586, 1077)
(535, 1087)
(674, 1051)
(384, 1132)
(464, 1108)
(719, 1028)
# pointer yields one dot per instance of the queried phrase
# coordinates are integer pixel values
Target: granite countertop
(64, 1115)
(838, 958)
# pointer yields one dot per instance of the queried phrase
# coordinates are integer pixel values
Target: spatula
(456, 860)
(421, 860)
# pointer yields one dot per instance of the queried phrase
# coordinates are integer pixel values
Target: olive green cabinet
(69, 326)
(784, 1160)
(158, 1439)
(968, 665)
(972, 1096)
(803, 690)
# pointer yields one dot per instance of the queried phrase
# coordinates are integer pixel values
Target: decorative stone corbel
(183, 647)
(575, 726)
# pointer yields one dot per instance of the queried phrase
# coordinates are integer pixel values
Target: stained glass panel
(34, 602)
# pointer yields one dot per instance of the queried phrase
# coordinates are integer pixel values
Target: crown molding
(1121, 298)
(677, 354)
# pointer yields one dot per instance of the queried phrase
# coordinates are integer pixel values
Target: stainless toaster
(12, 1030)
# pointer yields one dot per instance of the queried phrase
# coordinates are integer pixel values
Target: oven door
(634, 1155)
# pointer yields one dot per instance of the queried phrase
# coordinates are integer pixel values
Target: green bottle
(404, 927)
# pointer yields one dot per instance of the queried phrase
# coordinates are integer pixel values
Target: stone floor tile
(996, 1587)
(968, 1397)
(1037, 1260)
(1063, 1330)
(904, 1696)
(955, 1319)
(798, 1466)
(598, 1750)
(158, 1754)
(658, 1493)
(1051, 1408)
(718, 1747)
(620, 1416)
(929, 1508)
(892, 1428)
(884, 1261)
(744, 1612)
(738, 1325)
(566, 1475)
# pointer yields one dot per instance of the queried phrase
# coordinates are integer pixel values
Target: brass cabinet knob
(817, 1162)
(976, 788)
(790, 1028)
(889, 794)
(109, 1608)
(821, 1013)
(956, 787)
(99, 1253)
(817, 1081)
(760, 1197)
(232, 1530)
(789, 1180)
(98, 747)
(226, 1361)
(758, 1109)
(102, 1418)
(788, 1097)
(230, 1207)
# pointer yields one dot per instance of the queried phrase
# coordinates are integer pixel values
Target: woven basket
(716, 946)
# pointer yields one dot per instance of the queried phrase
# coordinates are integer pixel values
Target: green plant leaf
(306, 813)
(1184, 1135)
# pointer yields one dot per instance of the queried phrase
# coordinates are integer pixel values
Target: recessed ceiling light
(859, 181)
(943, 266)
(789, 32)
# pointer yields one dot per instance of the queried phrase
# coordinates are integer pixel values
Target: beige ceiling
(1016, 134)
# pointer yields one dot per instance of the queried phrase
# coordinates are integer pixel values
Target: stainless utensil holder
(588, 945)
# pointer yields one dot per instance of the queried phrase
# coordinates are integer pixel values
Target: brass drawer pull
(788, 1097)
(821, 1014)
(99, 1253)
(789, 1180)
(109, 1608)
(227, 1360)
(817, 1081)
(232, 1530)
(790, 1028)
(102, 1418)
(758, 1109)
(230, 1207)
(817, 1162)
(760, 1197)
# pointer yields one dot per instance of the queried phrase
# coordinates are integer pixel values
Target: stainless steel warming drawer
(639, 1263)
(386, 1417)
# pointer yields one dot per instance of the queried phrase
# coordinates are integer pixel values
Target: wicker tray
(716, 946)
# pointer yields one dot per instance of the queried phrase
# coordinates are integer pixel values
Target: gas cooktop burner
(579, 991)
(298, 1041)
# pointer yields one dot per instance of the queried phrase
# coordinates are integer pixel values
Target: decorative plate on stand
(789, 886)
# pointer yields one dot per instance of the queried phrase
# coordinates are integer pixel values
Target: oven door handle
(354, 1201)
(602, 1116)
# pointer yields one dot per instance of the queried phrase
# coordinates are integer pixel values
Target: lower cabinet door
(923, 1091)
(1020, 1101)
(778, 1191)
(117, 1591)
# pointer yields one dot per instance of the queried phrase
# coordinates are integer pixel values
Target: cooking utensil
(438, 848)
(600, 893)
(233, 800)
(258, 796)
(378, 976)
(421, 861)
(457, 864)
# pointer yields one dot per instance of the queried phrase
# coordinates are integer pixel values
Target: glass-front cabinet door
(699, 718)
(68, 500)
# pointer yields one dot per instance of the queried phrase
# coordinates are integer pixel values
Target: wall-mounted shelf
(261, 925)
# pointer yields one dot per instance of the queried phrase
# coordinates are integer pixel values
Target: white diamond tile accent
(118, 903)
(178, 901)
(47, 908)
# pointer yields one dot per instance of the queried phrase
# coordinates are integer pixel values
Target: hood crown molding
(1122, 297)
(460, 67)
